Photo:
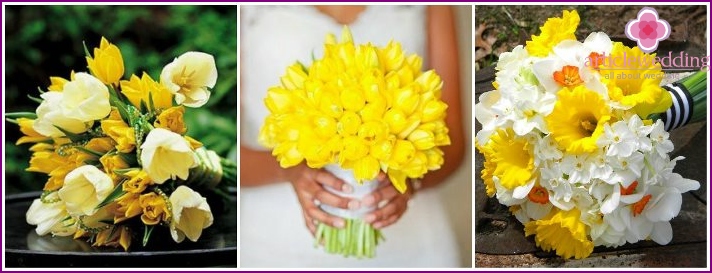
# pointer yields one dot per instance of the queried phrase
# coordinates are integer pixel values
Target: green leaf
(147, 230)
(72, 136)
(16, 115)
(89, 151)
(37, 100)
(116, 193)
(86, 50)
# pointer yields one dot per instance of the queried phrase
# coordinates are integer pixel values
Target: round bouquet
(575, 140)
(357, 111)
(117, 155)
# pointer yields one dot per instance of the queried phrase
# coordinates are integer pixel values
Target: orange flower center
(568, 76)
(539, 195)
(630, 189)
(595, 60)
(640, 205)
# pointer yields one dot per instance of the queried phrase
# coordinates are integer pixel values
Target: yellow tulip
(128, 206)
(434, 110)
(191, 214)
(431, 82)
(421, 139)
(119, 131)
(352, 99)
(402, 153)
(57, 83)
(107, 63)
(406, 100)
(366, 168)
(435, 158)
(295, 77)
(373, 131)
(354, 148)
(155, 209)
(172, 119)
(392, 56)
(417, 166)
(348, 124)
(382, 150)
(279, 100)
(30, 135)
(374, 110)
(112, 162)
(145, 89)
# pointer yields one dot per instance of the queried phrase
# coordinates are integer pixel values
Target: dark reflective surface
(217, 245)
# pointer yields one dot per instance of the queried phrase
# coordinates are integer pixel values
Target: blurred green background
(44, 41)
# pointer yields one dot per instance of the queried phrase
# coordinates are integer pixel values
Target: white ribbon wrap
(359, 191)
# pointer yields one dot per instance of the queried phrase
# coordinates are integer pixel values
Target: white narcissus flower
(191, 214)
(189, 76)
(85, 98)
(166, 155)
(50, 116)
(618, 139)
(51, 217)
(660, 139)
(84, 189)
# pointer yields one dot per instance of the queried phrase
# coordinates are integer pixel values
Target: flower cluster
(363, 107)
(117, 154)
(570, 146)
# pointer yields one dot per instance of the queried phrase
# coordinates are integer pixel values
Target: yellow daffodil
(119, 131)
(578, 119)
(155, 209)
(107, 63)
(561, 231)
(191, 214)
(554, 31)
(145, 90)
(172, 120)
(189, 76)
(487, 171)
(635, 81)
(513, 158)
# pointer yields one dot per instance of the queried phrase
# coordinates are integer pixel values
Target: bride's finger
(387, 222)
(322, 217)
(397, 206)
(329, 180)
(386, 192)
(334, 200)
(310, 223)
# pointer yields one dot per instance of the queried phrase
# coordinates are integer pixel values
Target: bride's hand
(309, 185)
(393, 208)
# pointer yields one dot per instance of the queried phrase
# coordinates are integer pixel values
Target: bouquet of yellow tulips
(357, 111)
(117, 155)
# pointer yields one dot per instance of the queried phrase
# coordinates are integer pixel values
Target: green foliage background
(44, 41)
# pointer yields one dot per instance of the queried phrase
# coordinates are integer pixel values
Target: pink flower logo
(648, 29)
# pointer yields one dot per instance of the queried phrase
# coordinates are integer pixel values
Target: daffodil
(513, 158)
(555, 30)
(189, 76)
(145, 91)
(107, 63)
(563, 232)
(578, 119)
(635, 81)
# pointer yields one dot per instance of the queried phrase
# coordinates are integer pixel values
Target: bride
(278, 207)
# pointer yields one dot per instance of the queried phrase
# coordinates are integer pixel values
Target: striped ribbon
(680, 112)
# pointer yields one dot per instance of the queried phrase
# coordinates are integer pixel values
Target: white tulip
(50, 116)
(50, 217)
(85, 98)
(166, 155)
(84, 189)
(191, 214)
(189, 76)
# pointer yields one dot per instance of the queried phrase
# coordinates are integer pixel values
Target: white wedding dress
(272, 231)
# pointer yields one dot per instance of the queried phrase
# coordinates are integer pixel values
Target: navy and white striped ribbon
(680, 112)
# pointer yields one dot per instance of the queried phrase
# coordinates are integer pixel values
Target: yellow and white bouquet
(572, 145)
(357, 111)
(117, 155)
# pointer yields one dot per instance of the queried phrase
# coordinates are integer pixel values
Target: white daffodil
(604, 235)
(641, 131)
(189, 76)
(618, 139)
(529, 112)
(488, 117)
(627, 169)
(50, 118)
(567, 67)
(660, 139)
(84, 189)
(166, 155)
(547, 149)
(577, 167)
(85, 98)
(51, 216)
(601, 169)
(191, 214)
